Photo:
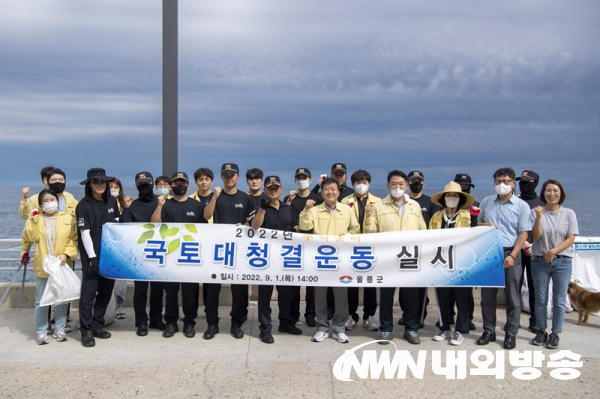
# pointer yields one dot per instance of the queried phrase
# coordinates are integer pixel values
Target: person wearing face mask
(340, 173)
(163, 186)
(453, 215)
(297, 200)
(180, 209)
(361, 180)
(528, 182)
(53, 232)
(396, 212)
(416, 182)
(116, 190)
(95, 209)
(66, 201)
(140, 211)
(510, 215)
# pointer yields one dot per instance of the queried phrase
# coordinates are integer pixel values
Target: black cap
(415, 174)
(463, 179)
(271, 181)
(529, 175)
(229, 169)
(303, 172)
(338, 167)
(143, 177)
(180, 176)
(97, 173)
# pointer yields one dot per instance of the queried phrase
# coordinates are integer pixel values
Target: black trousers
(451, 303)
(265, 292)
(189, 302)
(526, 261)
(410, 312)
(461, 297)
(369, 302)
(286, 300)
(95, 296)
(423, 300)
(140, 299)
(310, 302)
(239, 307)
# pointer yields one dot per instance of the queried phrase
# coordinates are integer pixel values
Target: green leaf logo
(191, 228)
(148, 226)
(188, 238)
(171, 232)
(163, 230)
(173, 246)
(146, 235)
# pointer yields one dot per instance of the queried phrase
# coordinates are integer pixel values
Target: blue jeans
(560, 273)
(41, 312)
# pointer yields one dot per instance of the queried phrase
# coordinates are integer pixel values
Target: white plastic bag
(63, 285)
(121, 288)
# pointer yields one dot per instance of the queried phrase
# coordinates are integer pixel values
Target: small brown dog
(584, 301)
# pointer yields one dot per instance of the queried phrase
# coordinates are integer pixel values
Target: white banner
(228, 254)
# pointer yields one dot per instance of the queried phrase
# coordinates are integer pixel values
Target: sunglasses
(97, 182)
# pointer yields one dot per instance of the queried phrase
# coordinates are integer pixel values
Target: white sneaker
(320, 336)
(442, 335)
(350, 323)
(41, 339)
(59, 335)
(121, 313)
(370, 324)
(457, 339)
(341, 337)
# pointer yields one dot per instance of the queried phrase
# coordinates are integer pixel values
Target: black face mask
(179, 190)
(416, 188)
(57, 187)
(527, 189)
(145, 191)
(466, 190)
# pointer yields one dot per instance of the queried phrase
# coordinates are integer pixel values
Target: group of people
(537, 233)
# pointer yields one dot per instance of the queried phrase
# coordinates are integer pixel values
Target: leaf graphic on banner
(146, 235)
(191, 228)
(188, 238)
(163, 230)
(173, 246)
(148, 226)
(171, 232)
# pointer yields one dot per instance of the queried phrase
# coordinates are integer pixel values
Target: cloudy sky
(438, 86)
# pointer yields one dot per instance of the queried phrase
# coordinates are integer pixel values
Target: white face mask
(361, 189)
(397, 192)
(50, 207)
(503, 189)
(302, 184)
(162, 191)
(452, 202)
(114, 193)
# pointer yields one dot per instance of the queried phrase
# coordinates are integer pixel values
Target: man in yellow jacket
(330, 218)
(357, 201)
(396, 212)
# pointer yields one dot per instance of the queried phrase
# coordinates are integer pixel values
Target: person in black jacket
(95, 209)
(339, 171)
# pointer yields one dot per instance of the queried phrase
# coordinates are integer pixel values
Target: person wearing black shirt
(275, 215)
(180, 209)
(203, 178)
(140, 211)
(229, 206)
(254, 179)
(95, 209)
(528, 182)
(339, 171)
(297, 200)
(416, 182)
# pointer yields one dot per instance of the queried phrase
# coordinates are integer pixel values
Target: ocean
(581, 201)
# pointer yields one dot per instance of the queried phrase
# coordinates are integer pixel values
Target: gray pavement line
(250, 338)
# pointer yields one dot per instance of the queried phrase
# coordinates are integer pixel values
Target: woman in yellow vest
(55, 233)
(452, 200)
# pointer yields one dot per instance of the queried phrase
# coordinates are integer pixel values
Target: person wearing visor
(453, 215)
(511, 216)
(95, 209)
(297, 200)
(275, 215)
(228, 206)
(140, 211)
(528, 182)
(339, 173)
(180, 209)
(361, 180)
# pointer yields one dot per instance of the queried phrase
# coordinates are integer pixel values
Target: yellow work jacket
(462, 220)
(340, 221)
(65, 241)
(28, 205)
(371, 199)
(385, 217)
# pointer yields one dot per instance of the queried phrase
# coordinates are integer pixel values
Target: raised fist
(25, 192)
(309, 204)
